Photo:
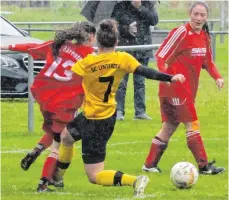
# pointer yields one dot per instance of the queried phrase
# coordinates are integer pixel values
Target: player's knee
(193, 126)
(166, 133)
(92, 158)
(67, 141)
(91, 175)
(55, 151)
(196, 125)
(55, 147)
(92, 178)
(66, 138)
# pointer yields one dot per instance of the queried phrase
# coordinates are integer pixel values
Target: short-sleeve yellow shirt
(102, 74)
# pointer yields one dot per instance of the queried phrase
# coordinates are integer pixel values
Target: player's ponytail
(79, 32)
(107, 33)
(206, 28)
(59, 39)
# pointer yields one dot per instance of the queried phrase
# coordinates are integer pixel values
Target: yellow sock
(105, 177)
(116, 178)
(128, 179)
(65, 158)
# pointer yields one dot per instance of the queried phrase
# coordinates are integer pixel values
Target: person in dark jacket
(134, 19)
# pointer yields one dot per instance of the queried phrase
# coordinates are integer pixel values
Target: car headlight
(11, 68)
(7, 62)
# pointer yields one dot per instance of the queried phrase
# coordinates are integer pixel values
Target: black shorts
(94, 134)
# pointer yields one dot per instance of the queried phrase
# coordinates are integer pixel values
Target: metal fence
(29, 25)
(54, 26)
(154, 32)
(210, 21)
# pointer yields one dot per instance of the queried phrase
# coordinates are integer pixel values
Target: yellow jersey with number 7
(102, 74)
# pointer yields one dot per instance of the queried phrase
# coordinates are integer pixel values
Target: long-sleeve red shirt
(186, 52)
(56, 86)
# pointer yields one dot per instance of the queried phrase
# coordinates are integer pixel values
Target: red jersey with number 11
(56, 86)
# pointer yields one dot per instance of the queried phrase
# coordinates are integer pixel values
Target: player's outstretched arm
(36, 50)
(159, 76)
(19, 47)
(4, 47)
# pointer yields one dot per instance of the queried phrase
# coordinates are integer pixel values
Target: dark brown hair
(79, 32)
(107, 33)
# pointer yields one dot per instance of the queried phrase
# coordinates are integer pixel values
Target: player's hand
(2, 47)
(178, 78)
(136, 3)
(133, 29)
(220, 83)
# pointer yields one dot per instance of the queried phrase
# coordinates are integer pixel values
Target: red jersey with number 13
(56, 86)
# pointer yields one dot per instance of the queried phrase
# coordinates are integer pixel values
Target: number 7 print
(109, 79)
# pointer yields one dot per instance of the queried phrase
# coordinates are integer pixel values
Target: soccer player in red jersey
(186, 50)
(57, 89)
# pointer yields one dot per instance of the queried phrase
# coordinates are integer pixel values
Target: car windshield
(8, 30)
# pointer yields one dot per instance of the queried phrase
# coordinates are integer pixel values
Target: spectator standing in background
(134, 20)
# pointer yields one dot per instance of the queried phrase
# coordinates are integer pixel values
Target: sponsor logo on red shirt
(198, 52)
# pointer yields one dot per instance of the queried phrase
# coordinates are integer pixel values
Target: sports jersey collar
(105, 53)
(189, 28)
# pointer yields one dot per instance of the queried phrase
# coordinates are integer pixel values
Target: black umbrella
(95, 11)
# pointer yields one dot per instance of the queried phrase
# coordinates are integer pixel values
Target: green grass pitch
(126, 150)
(131, 140)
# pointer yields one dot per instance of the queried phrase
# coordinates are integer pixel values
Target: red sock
(156, 151)
(46, 140)
(49, 166)
(196, 145)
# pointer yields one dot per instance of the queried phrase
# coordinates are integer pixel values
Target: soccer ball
(184, 175)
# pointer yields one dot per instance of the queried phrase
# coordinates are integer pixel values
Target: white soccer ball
(184, 175)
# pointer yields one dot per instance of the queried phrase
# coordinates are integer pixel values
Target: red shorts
(177, 110)
(56, 122)
(59, 111)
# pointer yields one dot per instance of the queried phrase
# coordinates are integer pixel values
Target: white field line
(58, 193)
(83, 194)
(143, 197)
(19, 151)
